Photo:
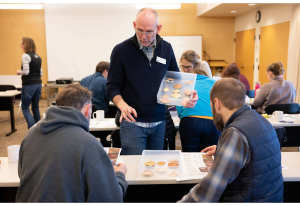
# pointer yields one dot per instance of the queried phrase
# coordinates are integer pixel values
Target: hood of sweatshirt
(57, 117)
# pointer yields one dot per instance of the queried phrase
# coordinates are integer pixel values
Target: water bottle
(257, 86)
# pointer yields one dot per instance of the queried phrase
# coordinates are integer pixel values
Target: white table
(283, 124)
(9, 94)
(9, 171)
(108, 124)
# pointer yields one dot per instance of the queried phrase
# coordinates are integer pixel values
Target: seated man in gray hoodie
(60, 161)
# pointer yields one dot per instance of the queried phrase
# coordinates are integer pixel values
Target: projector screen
(79, 36)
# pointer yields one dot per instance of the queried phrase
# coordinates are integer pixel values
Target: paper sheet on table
(96, 124)
(195, 166)
(291, 119)
(113, 154)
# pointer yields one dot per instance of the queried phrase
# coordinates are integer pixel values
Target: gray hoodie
(60, 161)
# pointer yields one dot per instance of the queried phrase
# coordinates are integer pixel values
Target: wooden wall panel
(217, 33)
(15, 24)
(244, 53)
(274, 41)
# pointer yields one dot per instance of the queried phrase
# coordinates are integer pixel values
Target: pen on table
(286, 122)
(114, 164)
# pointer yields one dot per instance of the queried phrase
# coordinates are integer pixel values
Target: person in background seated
(189, 61)
(244, 80)
(97, 83)
(197, 130)
(31, 71)
(60, 161)
(233, 71)
(247, 158)
(278, 91)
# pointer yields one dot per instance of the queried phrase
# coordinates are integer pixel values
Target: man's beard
(218, 120)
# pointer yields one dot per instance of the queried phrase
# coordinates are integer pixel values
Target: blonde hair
(191, 56)
(199, 71)
(277, 70)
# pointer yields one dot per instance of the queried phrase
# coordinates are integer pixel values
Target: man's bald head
(147, 12)
(146, 26)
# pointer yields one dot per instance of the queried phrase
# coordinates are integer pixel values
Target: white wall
(78, 36)
(270, 14)
(204, 7)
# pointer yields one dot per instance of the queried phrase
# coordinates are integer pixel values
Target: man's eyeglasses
(188, 68)
(141, 33)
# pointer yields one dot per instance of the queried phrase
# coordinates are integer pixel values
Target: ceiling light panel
(21, 6)
(159, 6)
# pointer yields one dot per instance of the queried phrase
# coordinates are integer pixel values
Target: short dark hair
(29, 45)
(102, 66)
(230, 92)
(231, 71)
(74, 95)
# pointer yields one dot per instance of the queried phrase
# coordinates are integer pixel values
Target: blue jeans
(135, 139)
(197, 134)
(31, 94)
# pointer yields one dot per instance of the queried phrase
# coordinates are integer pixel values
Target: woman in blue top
(196, 128)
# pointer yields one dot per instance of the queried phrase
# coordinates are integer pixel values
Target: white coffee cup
(278, 115)
(44, 115)
(99, 115)
(13, 153)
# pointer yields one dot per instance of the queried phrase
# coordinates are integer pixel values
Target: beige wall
(15, 24)
(217, 33)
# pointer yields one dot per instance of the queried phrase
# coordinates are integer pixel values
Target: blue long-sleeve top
(203, 86)
(137, 80)
(97, 83)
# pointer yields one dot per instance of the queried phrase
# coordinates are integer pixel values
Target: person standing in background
(197, 130)
(31, 71)
(137, 67)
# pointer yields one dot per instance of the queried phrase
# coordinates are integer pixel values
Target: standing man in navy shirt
(137, 67)
(97, 83)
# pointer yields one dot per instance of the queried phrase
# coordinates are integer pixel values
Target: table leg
(12, 116)
(47, 94)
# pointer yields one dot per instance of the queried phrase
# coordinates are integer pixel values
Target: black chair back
(286, 108)
(7, 87)
(281, 133)
(250, 93)
(117, 118)
(115, 138)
